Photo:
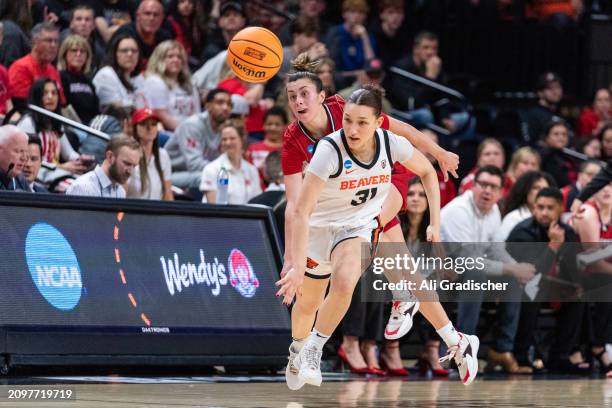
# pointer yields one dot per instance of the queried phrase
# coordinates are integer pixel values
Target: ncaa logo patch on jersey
(310, 148)
(383, 164)
(348, 164)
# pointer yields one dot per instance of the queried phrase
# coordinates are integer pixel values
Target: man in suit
(13, 157)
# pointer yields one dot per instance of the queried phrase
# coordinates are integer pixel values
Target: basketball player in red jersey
(594, 229)
(317, 117)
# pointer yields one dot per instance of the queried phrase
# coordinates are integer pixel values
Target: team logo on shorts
(383, 164)
(242, 276)
(310, 148)
(348, 164)
(311, 263)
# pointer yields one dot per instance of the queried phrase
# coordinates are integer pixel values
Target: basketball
(255, 54)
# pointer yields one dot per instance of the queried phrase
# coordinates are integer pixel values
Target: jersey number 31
(364, 195)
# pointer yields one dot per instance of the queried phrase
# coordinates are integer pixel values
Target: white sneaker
(294, 382)
(400, 321)
(309, 363)
(466, 357)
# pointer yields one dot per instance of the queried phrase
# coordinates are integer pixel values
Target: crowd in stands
(152, 75)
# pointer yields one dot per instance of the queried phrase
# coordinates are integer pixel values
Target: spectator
(37, 64)
(116, 82)
(111, 15)
(187, 19)
(391, 36)
(273, 172)
(5, 95)
(32, 166)
(243, 176)
(591, 147)
(587, 170)
(554, 161)
(521, 201)
(474, 217)
(151, 178)
(350, 44)
(13, 158)
(74, 63)
(416, 99)
(305, 33)
(489, 153)
(17, 20)
(594, 232)
(147, 29)
(552, 247)
(121, 157)
(594, 118)
(56, 148)
(605, 136)
(523, 160)
(275, 122)
(326, 71)
(113, 120)
(232, 18)
(264, 17)
(414, 222)
(253, 95)
(550, 93)
(311, 9)
(373, 73)
(54, 11)
(82, 23)
(197, 140)
(167, 88)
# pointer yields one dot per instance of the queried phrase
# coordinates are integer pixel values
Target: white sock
(318, 339)
(297, 344)
(449, 335)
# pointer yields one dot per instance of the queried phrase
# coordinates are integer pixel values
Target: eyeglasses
(77, 51)
(492, 187)
(128, 50)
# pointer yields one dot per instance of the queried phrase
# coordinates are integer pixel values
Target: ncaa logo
(242, 276)
(53, 266)
(348, 164)
(383, 163)
(310, 148)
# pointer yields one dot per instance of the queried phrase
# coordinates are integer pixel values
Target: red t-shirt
(4, 89)
(23, 72)
(298, 144)
(255, 119)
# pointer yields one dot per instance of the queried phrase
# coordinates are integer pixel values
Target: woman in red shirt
(318, 116)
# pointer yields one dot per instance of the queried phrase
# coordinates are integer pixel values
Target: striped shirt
(96, 184)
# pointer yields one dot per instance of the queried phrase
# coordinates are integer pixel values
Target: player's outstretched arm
(448, 161)
(291, 283)
(420, 166)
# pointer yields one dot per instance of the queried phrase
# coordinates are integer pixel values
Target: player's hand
(433, 233)
(449, 163)
(290, 285)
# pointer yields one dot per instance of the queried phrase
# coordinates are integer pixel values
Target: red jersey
(298, 144)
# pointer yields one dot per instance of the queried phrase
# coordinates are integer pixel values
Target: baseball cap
(140, 115)
(231, 5)
(374, 65)
(546, 79)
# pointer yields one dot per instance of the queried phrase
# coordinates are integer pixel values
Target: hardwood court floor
(511, 393)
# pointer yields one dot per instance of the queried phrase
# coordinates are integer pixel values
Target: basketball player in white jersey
(340, 200)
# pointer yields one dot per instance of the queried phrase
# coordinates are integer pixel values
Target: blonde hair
(74, 41)
(520, 155)
(157, 65)
(238, 124)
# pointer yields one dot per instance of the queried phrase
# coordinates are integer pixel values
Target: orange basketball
(255, 54)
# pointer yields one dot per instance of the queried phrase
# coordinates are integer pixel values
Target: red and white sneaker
(466, 357)
(400, 320)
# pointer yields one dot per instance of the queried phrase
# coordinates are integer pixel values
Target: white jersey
(354, 191)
